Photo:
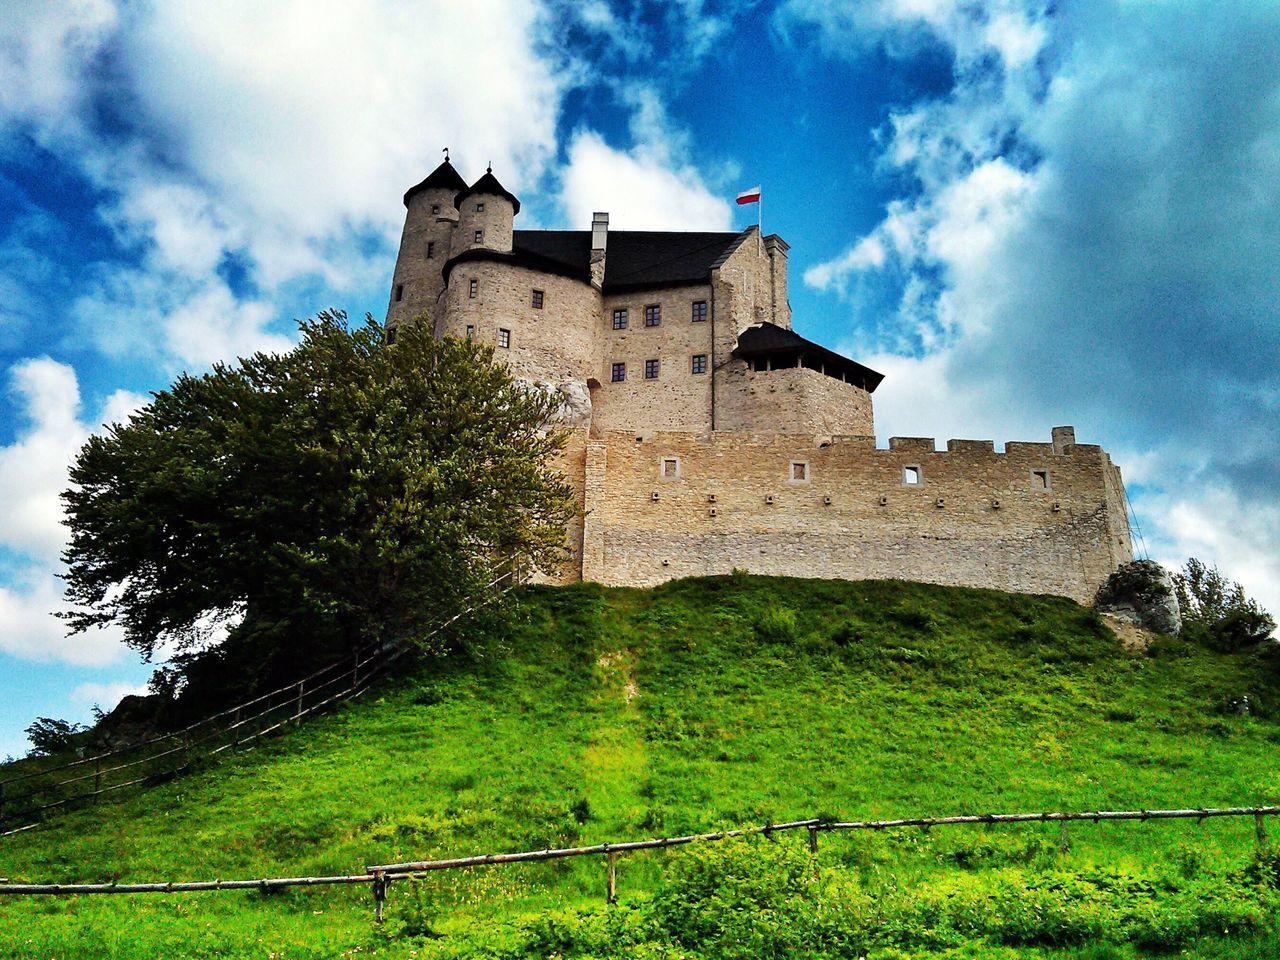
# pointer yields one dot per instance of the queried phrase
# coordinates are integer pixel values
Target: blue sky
(1024, 213)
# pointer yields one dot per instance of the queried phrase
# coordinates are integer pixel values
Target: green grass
(617, 714)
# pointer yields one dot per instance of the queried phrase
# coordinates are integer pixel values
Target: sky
(1024, 213)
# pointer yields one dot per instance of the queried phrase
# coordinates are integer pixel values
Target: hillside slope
(615, 714)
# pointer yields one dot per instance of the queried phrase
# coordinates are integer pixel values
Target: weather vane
(446, 154)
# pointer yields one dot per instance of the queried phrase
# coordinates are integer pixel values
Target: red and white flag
(749, 196)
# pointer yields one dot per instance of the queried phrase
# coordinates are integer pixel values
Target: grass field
(607, 715)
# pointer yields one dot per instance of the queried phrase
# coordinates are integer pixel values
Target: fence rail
(27, 797)
(379, 877)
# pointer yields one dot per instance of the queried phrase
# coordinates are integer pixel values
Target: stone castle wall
(1038, 518)
(796, 400)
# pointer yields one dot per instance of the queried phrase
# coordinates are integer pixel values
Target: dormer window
(480, 207)
(479, 236)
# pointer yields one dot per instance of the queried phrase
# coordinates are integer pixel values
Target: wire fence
(29, 797)
(379, 877)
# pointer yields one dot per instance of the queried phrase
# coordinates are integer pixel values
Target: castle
(706, 435)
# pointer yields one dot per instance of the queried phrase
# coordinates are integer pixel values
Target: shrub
(1216, 611)
(777, 625)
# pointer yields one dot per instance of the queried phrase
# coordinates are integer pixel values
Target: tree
(49, 736)
(345, 492)
(1216, 611)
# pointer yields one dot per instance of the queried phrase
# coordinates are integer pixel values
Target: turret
(486, 211)
(429, 223)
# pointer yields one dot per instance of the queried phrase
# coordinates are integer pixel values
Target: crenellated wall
(1034, 519)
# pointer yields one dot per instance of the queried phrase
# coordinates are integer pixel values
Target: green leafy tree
(1216, 610)
(49, 736)
(345, 492)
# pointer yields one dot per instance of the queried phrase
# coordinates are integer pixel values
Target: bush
(777, 625)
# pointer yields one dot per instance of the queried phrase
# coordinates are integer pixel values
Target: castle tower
(429, 223)
(486, 211)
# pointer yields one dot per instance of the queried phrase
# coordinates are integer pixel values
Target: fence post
(235, 730)
(1064, 840)
(813, 849)
(298, 713)
(97, 777)
(611, 884)
(379, 894)
(1260, 829)
(355, 670)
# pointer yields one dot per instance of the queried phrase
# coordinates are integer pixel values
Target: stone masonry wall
(1029, 519)
(555, 343)
(796, 400)
(417, 277)
(678, 399)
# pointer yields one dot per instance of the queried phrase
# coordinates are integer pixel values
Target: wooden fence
(380, 876)
(28, 797)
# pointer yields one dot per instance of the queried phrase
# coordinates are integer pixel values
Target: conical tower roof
(488, 184)
(443, 177)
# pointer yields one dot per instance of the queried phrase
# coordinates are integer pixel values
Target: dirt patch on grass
(1132, 637)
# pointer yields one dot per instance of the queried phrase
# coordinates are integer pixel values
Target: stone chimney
(599, 240)
(1063, 437)
(780, 306)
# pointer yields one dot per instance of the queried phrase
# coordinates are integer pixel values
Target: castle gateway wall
(1038, 518)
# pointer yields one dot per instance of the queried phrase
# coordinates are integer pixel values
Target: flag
(749, 196)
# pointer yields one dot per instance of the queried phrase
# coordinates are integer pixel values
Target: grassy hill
(607, 715)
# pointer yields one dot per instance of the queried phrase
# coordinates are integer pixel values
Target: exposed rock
(575, 400)
(1141, 592)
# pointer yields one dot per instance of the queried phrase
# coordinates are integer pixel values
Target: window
(619, 372)
(504, 338)
(537, 299)
(473, 289)
(699, 363)
(651, 369)
(435, 208)
(471, 331)
(652, 315)
(480, 207)
(391, 335)
(671, 468)
(399, 292)
(479, 236)
(620, 319)
(912, 477)
(699, 311)
(431, 249)
(799, 471)
(1039, 479)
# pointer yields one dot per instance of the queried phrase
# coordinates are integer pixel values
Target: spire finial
(446, 154)
(490, 167)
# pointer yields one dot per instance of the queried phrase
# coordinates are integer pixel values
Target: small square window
(435, 208)
(699, 363)
(473, 289)
(652, 315)
(391, 335)
(651, 369)
(912, 477)
(504, 338)
(431, 249)
(480, 207)
(399, 292)
(1039, 479)
(620, 319)
(619, 372)
(537, 299)
(699, 311)
(471, 331)
(670, 468)
(799, 471)
(479, 236)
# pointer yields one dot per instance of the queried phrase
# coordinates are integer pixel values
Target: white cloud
(638, 188)
(287, 153)
(33, 471)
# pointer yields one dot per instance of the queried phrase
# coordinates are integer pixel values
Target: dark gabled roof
(487, 184)
(443, 177)
(770, 340)
(636, 259)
